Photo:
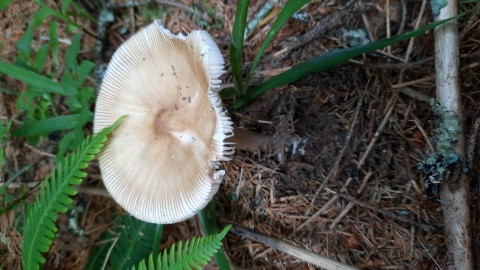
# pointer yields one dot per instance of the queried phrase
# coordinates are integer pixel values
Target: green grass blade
(43, 127)
(54, 46)
(209, 222)
(236, 46)
(55, 197)
(31, 78)
(4, 130)
(328, 61)
(288, 10)
(157, 238)
(40, 58)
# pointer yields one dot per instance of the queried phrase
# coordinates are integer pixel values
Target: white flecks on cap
(161, 164)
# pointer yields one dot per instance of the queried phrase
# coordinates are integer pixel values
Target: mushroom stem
(248, 140)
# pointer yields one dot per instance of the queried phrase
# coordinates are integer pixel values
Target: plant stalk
(454, 189)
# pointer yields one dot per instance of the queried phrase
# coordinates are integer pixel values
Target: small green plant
(41, 118)
(194, 254)
(4, 129)
(55, 197)
(246, 92)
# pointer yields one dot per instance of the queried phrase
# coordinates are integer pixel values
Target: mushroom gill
(161, 164)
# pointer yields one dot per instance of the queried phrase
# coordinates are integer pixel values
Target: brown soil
(352, 127)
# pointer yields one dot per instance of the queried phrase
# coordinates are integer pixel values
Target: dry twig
(290, 249)
(454, 196)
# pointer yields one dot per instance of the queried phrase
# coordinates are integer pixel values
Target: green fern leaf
(55, 197)
(194, 254)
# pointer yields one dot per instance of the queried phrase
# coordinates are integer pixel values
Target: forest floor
(360, 130)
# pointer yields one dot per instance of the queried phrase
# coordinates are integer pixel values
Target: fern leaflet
(55, 197)
(196, 253)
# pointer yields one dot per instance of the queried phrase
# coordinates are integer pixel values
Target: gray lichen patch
(437, 5)
(445, 159)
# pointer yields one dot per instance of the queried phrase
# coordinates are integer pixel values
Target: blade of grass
(209, 222)
(54, 47)
(32, 78)
(328, 61)
(288, 10)
(236, 46)
(49, 125)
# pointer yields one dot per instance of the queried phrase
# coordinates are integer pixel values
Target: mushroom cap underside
(161, 163)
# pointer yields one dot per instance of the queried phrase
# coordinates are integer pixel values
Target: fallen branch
(301, 253)
(454, 189)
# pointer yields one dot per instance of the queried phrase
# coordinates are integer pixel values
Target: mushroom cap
(161, 163)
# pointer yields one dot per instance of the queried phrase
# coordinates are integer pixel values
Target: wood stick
(455, 206)
(301, 253)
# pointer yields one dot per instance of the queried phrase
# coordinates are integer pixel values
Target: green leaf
(65, 144)
(47, 126)
(32, 78)
(83, 70)
(40, 58)
(65, 5)
(4, 4)
(97, 259)
(24, 44)
(83, 13)
(328, 61)
(236, 46)
(209, 222)
(71, 24)
(55, 196)
(72, 53)
(135, 242)
(41, 15)
(194, 254)
(4, 129)
(69, 84)
(287, 12)
(132, 240)
(54, 42)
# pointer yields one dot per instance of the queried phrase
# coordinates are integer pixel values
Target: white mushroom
(161, 164)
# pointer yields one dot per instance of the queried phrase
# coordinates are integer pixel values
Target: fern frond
(196, 253)
(55, 197)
